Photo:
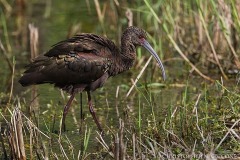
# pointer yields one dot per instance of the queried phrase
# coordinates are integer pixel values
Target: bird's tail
(31, 79)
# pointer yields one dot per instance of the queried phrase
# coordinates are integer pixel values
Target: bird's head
(137, 37)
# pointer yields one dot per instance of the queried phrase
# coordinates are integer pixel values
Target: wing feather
(81, 59)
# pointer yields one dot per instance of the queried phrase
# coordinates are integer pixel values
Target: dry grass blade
(99, 12)
(228, 132)
(34, 53)
(119, 144)
(62, 150)
(12, 81)
(122, 145)
(33, 40)
(134, 145)
(197, 119)
(157, 144)
(16, 135)
(171, 133)
(34, 126)
(74, 117)
(129, 16)
(235, 134)
(139, 75)
(187, 60)
(211, 44)
(116, 147)
(104, 144)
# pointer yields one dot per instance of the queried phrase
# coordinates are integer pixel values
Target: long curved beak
(146, 45)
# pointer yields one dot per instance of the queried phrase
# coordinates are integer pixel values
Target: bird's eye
(141, 36)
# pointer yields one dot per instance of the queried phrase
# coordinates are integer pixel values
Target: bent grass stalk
(12, 80)
(175, 44)
(225, 30)
(5, 31)
(209, 39)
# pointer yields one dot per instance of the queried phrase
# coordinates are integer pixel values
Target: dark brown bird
(84, 63)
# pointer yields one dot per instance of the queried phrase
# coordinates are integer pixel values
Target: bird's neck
(125, 58)
(127, 54)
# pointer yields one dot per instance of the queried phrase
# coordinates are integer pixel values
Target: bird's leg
(81, 113)
(65, 111)
(91, 109)
(81, 109)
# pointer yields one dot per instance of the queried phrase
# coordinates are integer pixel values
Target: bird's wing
(85, 43)
(80, 60)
